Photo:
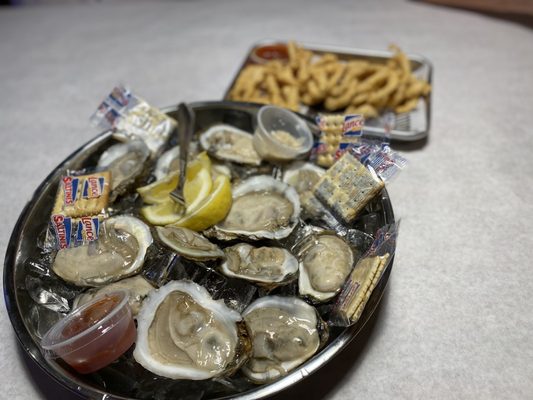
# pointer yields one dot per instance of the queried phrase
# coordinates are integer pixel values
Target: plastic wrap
(364, 278)
(131, 117)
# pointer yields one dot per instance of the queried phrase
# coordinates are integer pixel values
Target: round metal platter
(34, 219)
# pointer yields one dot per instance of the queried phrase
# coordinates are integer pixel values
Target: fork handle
(186, 123)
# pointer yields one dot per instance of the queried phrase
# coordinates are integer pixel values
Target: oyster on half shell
(167, 163)
(303, 176)
(183, 333)
(188, 243)
(284, 333)
(264, 265)
(228, 143)
(325, 262)
(263, 208)
(119, 252)
(137, 287)
(126, 162)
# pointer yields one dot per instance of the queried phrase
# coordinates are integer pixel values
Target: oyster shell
(119, 252)
(284, 332)
(228, 143)
(183, 333)
(303, 176)
(167, 163)
(325, 262)
(188, 243)
(265, 265)
(218, 168)
(125, 161)
(137, 286)
(263, 208)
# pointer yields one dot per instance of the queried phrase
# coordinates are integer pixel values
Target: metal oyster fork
(186, 123)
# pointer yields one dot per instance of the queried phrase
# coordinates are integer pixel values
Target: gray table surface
(457, 319)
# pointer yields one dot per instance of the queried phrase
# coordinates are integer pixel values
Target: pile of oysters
(277, 237)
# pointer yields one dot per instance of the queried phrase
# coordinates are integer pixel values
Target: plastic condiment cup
(272, 119)
(269, 52)
(94, 334)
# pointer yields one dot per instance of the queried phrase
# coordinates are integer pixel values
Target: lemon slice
(158, 191)
(162, 213)
(211, 210)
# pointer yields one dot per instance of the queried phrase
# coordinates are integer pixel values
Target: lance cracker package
(79, 208)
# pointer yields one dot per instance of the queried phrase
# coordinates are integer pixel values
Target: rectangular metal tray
(408, 127)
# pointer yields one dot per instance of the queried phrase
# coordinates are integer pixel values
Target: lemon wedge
(158, 191)
(162, 213)
(210, 210)
(198, 182)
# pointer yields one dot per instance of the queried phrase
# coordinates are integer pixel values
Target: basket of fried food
(326, 82)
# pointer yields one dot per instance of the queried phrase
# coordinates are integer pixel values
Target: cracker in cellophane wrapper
(357, 176)
(79, 208)
(364, 278)
(347, 187)
(82, 194)
(131, 117)
(337, 133)
(71, 232)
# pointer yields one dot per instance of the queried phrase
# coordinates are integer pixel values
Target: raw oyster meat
(125, 161)
(168, 162)
(284, 333)
(137, 286)
(119, 252)
(228, 143)
(303, 176)
(188, 243)
(183, 333)
(263, 208)
(325, 262)
(266, 265)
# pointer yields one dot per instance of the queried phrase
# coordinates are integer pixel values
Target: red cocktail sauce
(95, 336)
(266, 53)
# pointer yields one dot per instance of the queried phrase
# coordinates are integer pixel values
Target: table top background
(457, 317)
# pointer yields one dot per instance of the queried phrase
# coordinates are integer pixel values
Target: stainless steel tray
(409, 127)
(34, 218)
